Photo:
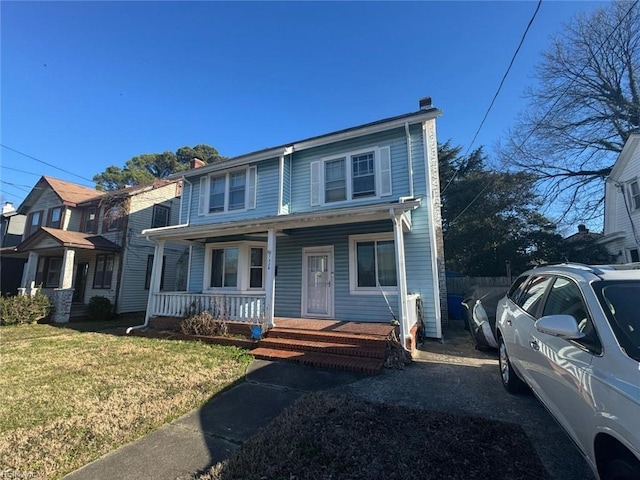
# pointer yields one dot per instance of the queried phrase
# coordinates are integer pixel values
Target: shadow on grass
(430, 421)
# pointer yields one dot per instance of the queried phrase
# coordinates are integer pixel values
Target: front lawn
(69, 397)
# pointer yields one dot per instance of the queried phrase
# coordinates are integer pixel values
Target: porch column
(401, 272)
(66, 274)
(270, 281)
(156, 275)
(29, 272)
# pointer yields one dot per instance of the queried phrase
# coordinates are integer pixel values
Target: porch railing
(241, 308)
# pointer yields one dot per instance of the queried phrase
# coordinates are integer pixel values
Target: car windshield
(619, 300)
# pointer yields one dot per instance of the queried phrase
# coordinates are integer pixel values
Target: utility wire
(45, 163)
(530, 134)
(19, 187)
(21, 171)
(495, 96)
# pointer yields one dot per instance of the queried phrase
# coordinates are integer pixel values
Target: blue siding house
(342, 226)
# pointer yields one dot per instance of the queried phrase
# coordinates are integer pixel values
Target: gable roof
(399, 121)
(629, 148)
(133, 190)
(65, 238)
(70, 193)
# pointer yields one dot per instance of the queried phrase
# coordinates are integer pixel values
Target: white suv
(572, 334)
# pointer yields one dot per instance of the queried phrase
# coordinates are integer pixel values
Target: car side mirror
(563, 326)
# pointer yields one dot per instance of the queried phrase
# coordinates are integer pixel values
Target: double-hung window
(48, 274)
(90, 220)
(55, 217)
(34, 220)
(160, 217)
(335, 180)
(104, 271)
(354, 176)
(372, 263)
(635, 195)
(363, 176)
(226, 192)
(256, 268)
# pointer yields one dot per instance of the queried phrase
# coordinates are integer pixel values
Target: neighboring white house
(622, 205)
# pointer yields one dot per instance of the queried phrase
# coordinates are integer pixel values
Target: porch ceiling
(337, 216)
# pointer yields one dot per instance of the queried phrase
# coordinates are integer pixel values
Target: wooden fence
(460, 285)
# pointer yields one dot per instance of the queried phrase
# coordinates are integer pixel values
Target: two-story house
(83, 243)
(622, 204)
(342, 226)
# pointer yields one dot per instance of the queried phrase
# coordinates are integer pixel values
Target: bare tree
(581, 111)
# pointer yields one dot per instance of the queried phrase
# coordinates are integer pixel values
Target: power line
(495, 96)
(548, 112)
(19, 187)
(21, 171)
(44, 163)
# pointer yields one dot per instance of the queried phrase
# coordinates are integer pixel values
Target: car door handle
(534, 344)
(509, 321)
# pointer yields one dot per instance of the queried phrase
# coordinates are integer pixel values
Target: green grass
(70, 396)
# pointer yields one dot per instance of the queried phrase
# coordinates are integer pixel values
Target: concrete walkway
(200, 439)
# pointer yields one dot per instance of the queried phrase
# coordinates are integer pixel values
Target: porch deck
(353, 346)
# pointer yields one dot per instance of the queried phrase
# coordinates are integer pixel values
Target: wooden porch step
(333, 347)
(371, 366)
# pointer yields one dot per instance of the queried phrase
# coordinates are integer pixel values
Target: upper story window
(160, 216)
(34, 220)
(55, 217)
(89, 223)
(634, 191)
(356, 175)
(225, 192)
(112, 219)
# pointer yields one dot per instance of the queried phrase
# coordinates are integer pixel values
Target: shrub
(23, 309)
(99, 309)
(204, 324)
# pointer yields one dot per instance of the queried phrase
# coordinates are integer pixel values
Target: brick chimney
(425, 103)
(197, 163)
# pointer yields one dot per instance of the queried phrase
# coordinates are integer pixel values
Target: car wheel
(622, 469)
(510, 379)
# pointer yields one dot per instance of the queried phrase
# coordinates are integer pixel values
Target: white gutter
(410, 158)
(275, 152)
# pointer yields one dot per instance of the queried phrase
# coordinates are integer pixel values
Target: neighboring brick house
(83, 243)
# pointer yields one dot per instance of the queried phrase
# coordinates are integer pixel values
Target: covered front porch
(60, 264)
(234, 266)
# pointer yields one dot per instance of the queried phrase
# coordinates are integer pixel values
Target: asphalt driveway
(452, 376)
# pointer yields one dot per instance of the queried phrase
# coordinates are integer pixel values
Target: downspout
(280, 183)
(410, 158)
(154, 287)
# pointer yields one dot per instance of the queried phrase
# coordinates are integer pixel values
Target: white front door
(317, 282)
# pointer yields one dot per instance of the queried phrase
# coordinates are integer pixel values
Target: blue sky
(85, 85)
